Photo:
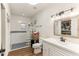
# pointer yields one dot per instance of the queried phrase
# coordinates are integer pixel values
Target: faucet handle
(62, 39)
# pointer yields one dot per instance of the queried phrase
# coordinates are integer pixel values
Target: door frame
(3, 30)
(7, 28)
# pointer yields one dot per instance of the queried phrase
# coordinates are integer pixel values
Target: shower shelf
(18, 31)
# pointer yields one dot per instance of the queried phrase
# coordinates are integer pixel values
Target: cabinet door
(45, 49)
(54, 51)
(58, 51)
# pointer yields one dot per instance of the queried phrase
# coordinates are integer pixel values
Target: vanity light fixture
(72, 9)
(62, 12)
(57, 14)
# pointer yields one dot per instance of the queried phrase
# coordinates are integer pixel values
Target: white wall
(74, 26)
(16, 26)
(47, 30)
(44, 18)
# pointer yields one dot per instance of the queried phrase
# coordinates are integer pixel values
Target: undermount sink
(61, 42)
(58, 41)
(66, 43)
(69, 44)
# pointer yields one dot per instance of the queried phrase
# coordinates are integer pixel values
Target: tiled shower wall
(19, 35)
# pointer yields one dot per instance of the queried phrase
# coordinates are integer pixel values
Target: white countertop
(73, 47)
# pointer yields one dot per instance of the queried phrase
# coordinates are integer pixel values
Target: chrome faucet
(62, 39)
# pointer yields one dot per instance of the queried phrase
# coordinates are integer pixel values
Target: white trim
(19, 48)
(0, 25)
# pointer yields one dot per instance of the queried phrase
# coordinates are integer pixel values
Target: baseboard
(20, 45)
(19, 48)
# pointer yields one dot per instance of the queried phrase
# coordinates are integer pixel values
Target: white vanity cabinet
(53, 50)
(46, 49)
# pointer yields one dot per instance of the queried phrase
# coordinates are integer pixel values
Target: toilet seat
(37, 45)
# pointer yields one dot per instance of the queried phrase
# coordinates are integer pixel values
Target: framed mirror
(68, 26)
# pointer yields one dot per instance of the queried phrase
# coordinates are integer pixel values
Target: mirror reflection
(67, 26)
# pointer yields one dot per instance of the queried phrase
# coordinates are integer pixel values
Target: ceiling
(28, 10)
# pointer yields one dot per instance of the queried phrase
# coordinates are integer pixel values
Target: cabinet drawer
(45, 49)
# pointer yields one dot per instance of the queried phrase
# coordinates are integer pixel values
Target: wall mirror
(68, 26)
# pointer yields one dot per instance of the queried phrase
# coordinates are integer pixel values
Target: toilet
(37, 48)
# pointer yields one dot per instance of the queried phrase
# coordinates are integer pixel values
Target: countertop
(73, 47)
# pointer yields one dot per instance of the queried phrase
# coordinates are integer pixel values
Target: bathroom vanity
(64, 27)
(54, 47)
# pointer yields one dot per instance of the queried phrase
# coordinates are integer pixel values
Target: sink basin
(61, 42)
(66, 43)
